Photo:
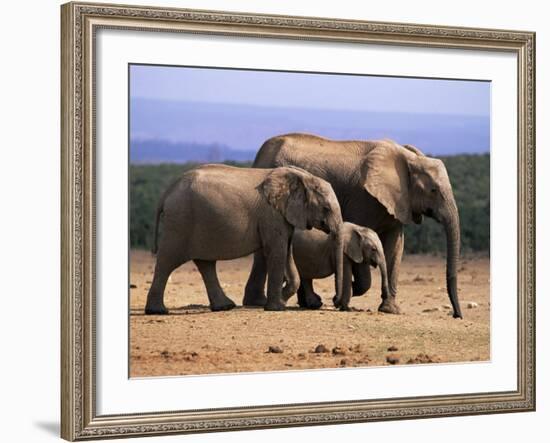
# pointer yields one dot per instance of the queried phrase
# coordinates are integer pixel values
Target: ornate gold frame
(79, 21)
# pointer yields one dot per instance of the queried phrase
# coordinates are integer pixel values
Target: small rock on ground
(338, 351)
(392, 359)
(431, 310)
(423, 358)
(320, 349)
(274, 350)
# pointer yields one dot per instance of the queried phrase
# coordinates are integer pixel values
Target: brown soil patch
(194, 340)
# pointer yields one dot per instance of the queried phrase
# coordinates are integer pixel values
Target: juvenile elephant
(379, 184)
(316, 253)
(217, 212)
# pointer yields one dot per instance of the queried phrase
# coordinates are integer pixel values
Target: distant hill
(165, 151)
(236, 127)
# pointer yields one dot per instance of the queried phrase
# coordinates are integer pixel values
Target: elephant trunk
(452, 230)
(339, 271)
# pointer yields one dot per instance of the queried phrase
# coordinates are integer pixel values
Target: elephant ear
(285, 191)
(386, 175)
(352, 245)
(415, 150)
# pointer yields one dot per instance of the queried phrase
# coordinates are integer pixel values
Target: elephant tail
(160, 210)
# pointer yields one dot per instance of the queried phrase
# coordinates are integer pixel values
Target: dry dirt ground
(193, 340)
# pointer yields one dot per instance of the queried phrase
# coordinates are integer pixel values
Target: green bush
(469, 174)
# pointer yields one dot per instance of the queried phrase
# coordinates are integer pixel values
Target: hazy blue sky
(304, 90)
(179, 104)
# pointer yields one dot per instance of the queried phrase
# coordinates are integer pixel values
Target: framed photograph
(277, 221)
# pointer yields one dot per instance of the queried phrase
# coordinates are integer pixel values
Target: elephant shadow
(199, 309)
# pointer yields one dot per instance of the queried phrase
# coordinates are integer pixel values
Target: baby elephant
(217, 212)
(315, 255)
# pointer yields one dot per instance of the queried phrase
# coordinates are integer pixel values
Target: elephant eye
(433, 190)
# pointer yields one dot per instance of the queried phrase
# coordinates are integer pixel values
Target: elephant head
(306, 202)
(411, 185)
(362, 245)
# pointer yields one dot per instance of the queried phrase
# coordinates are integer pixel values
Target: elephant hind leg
(307, 298)
(217, 298)
(155, 298)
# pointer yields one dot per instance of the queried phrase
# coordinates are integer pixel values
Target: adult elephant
(379, 184)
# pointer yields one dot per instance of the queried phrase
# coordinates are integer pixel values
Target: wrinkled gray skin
(217, 212)
(316, 253)
(380, 185)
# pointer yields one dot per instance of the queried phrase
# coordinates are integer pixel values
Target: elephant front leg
(292, 277)
(276, 260)
(361, 278)
(218, 300)
(343, 303)
(307, 298)
(393, 243)
(254, 291)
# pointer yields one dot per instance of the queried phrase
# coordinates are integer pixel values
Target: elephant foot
(156, 310)
(339, 305)
(389, 306)
(226, 305)
(276, 305)
(312, 301)
(258, 300)
(457, 314)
